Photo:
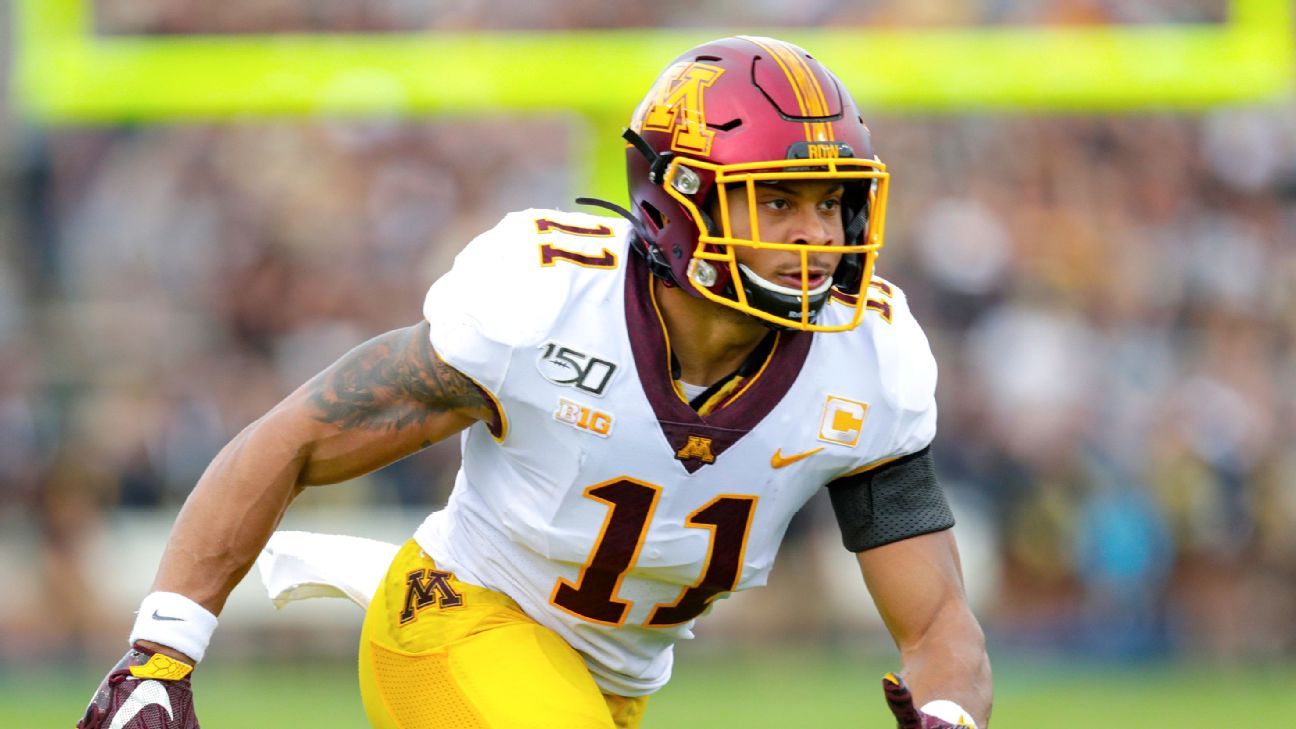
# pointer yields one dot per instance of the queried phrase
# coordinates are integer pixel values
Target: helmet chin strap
(642, 242)
(779, 300)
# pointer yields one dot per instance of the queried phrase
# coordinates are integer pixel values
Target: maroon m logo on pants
(426, 587)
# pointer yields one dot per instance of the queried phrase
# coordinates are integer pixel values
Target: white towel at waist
(301, 565)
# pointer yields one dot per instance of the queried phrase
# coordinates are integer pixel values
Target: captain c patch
(843, 421)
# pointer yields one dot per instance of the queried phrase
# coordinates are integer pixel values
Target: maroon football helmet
(736, 113)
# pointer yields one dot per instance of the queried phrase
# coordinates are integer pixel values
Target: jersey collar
(694, 437)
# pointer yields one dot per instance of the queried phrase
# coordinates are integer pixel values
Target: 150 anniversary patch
(566, 366)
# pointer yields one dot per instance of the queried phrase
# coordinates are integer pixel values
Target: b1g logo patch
(583, 418)
(566, 366)
(843, 421)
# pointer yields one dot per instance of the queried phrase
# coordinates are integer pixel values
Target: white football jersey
(607, 507)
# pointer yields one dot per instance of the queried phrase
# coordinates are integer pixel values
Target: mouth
(788, 282)
(792, 279)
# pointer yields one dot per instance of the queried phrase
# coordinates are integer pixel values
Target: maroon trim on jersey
(728, 423)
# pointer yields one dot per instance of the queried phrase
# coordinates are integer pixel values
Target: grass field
(752, 692)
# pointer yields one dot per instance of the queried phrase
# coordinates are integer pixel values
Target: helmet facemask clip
(657, 161)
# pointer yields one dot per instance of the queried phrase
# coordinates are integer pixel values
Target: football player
(644, 402)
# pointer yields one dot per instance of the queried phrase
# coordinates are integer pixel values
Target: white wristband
(949, 711)
(174, 621)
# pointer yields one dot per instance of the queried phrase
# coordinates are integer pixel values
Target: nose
(809, 227)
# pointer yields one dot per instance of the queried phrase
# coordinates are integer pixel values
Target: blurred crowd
(1111, 299)
(280, 16)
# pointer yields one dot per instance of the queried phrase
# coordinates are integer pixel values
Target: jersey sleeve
(501, 295)
(480, 309)
(908, 372)
(913, 369)
(896, 495)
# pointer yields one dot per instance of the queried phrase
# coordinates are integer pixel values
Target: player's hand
(145, 690)
(909, 716)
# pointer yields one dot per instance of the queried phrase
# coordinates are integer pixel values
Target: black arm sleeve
(895, 501)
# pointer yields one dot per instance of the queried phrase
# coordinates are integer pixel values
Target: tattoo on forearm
(391, 382)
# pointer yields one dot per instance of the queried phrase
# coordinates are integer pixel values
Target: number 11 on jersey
(632, 504)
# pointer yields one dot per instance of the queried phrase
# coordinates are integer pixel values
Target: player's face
(804, 212)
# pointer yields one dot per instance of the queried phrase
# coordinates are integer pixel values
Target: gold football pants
(436, 652)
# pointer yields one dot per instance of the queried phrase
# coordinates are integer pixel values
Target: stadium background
(201, 204)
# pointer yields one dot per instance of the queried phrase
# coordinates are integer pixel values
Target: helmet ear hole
(856, 207)
(655, 217)
(848, 278)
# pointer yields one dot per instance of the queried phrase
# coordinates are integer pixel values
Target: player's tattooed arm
(380, 402)
(394, 382)
(383, 400)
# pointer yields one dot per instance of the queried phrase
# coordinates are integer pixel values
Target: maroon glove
(145, 690)
(908, 716)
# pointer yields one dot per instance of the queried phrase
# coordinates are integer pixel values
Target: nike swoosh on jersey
(778, 460)
(144, 696)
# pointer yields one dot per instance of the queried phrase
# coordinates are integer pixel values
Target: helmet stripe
(815, 94)
(805, 86)
(773, 47)
(805, 78)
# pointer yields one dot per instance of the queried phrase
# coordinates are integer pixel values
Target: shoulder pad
(895, 349)
(904, 353)
(510, 284)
